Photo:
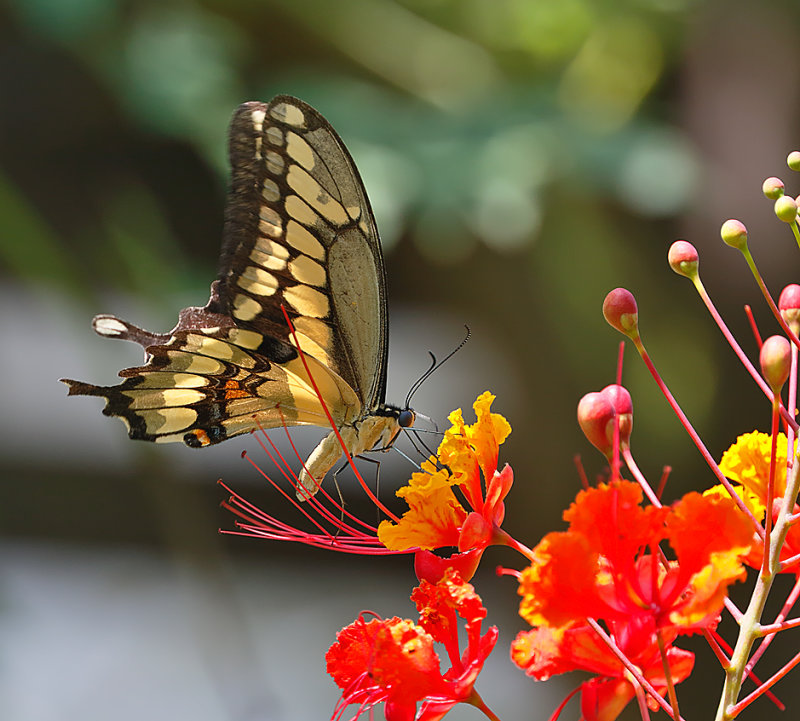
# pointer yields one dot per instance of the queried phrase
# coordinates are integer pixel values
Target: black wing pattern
(299, 236)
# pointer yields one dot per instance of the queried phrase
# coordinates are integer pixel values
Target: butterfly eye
(406, 418)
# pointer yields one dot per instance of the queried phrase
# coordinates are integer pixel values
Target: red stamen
(748, 311)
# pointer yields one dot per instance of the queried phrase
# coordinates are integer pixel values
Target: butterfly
(299, 242)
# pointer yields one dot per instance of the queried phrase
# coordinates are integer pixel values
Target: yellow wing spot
(299, 150)
(289, 114)
(300, 239)
(307, 301)
(257, 281)
(306, 270)
(300, 211)
(268, 261)
(274, 136)
(275, 164)
(210, 330)
(166, 379)
(258, 122)
(354, 211)
(316, 196)
(167, 397)
(187, 361)
(270, 247)
(269, 191)
(269, 222)
(317, 331)
(245, 308)
(167, 420)
(245, 338)
(219, 349)
(312, 346)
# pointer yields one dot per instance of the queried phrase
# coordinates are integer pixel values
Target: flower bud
(620, 311)
(776, 361)
(683, 258)
(595, 413)
(622, 404)
(786, 209)
(793, 161)
(789, 306)
(772, 188)
(734, 234)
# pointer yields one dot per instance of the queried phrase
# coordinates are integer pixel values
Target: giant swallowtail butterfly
(299, 238)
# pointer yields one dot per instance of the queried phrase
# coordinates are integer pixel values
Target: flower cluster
(614, 571)
(614, 593)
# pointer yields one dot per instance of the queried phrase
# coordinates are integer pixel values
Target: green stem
(749, 626)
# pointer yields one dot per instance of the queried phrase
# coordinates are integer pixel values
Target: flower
(393, 661)
(436, 517)
(747, 464)
(544, 652)
(612, 570)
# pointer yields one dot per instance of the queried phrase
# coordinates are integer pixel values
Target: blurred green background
(523, 157)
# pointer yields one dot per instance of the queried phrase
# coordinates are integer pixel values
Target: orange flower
(392, 661)
(437, 518)
(611, 569)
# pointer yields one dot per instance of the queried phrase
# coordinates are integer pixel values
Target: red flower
(544, 652)
(607, 566)
(392, 661)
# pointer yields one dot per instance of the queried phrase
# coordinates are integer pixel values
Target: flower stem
(476, 701)
(673, 698)
(749, 626)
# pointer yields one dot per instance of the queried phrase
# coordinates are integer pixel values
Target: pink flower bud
(595, 414)
(683, 258)
(772, 188)
(793, 161)
(620, 311)
(786, 209)
(789, 306)
(776, 361)
(622, 404)
(734, 234)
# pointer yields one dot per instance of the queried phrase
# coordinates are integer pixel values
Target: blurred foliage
(523, 158)
(462, 116)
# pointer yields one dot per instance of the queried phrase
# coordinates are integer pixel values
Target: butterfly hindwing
(299, 237)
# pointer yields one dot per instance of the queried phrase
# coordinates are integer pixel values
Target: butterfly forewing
(299, 237)
(299, 232)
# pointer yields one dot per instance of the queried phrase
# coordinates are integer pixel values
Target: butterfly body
(299, 241)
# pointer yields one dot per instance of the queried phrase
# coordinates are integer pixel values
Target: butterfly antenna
(434, 367)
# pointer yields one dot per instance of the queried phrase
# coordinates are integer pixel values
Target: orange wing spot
(234, 390)
(201, 436)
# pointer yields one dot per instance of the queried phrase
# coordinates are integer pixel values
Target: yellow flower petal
(434, 517)
(747, 462)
